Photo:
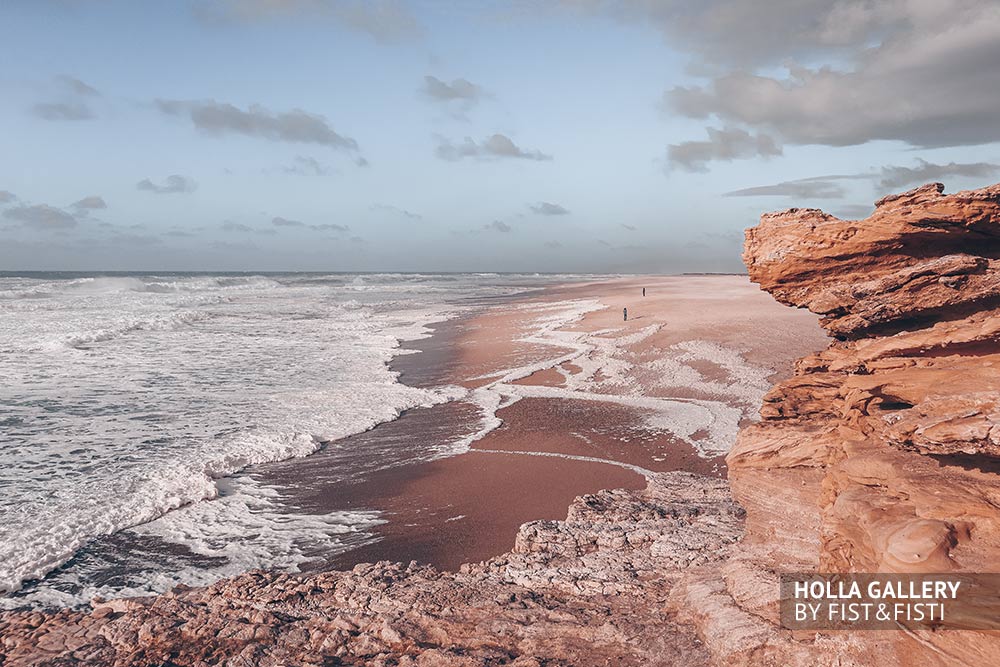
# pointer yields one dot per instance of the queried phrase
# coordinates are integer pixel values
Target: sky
(586, 136)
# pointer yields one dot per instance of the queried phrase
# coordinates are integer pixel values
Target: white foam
(127, 399)
(572, 457)
(743, 382)
(250, 528)
(244, 529)
(608, 373)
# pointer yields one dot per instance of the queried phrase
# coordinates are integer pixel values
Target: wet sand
(467, 508)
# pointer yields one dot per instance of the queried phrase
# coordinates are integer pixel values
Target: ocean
(130, 404)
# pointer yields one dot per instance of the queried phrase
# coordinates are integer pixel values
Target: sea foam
(129, 402)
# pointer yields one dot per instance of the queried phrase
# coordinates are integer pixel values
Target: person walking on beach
(625, 314)
(644, 291)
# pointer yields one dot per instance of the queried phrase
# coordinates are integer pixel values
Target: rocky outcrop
(880, 454)
(590, 590)
(921, 257)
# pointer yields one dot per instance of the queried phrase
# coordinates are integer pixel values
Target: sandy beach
(584, 395)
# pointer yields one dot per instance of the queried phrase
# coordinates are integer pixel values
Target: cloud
(888, 178)
(180, 233)
(741, 33)
(458, 90)
(6, 197)
(398, 211)
(841, 73)
(239, 227)
(172, 185)
(918, 72)
(329, 227)
(925, 172)
(72, 106)
(77, 87)
(553, 244)
(325, 227)
(496, 146)
(41, 216)
(295, 126)
(548, 208)
(820, 187)
(730, 143)
(497, 226)
(630, 228)
(89, 204)
(386, 21)
(303, 165)
(62, 111)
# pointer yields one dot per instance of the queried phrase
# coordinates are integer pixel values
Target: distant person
(625, 314)
(644, 291)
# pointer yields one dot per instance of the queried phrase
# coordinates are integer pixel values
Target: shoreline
(607, 583)
(459, 508)
(552, 444)
(547, 450)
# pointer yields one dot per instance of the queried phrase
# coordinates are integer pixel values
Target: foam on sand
(608, 372)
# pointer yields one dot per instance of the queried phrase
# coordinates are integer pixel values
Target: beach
(571, 499)
(393, 333)
(584, 488)
(584, 399)
(304, 422)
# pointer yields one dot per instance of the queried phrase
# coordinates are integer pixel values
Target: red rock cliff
(880, 454)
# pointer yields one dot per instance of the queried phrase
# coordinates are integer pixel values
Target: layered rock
(590, 590)
(880, 454)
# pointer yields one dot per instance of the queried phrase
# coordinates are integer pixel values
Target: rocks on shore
(588, 590)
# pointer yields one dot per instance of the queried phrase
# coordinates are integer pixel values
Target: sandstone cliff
(880, 453)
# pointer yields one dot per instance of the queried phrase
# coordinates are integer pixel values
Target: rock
(880, 454)
(883, 273)
(585, 591)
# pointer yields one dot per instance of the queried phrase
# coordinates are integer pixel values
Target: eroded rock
(884, 446)
(590, 590)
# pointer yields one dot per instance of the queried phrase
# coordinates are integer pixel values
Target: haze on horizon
(574, 135)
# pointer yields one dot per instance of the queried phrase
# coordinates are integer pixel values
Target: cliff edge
(880, 453)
